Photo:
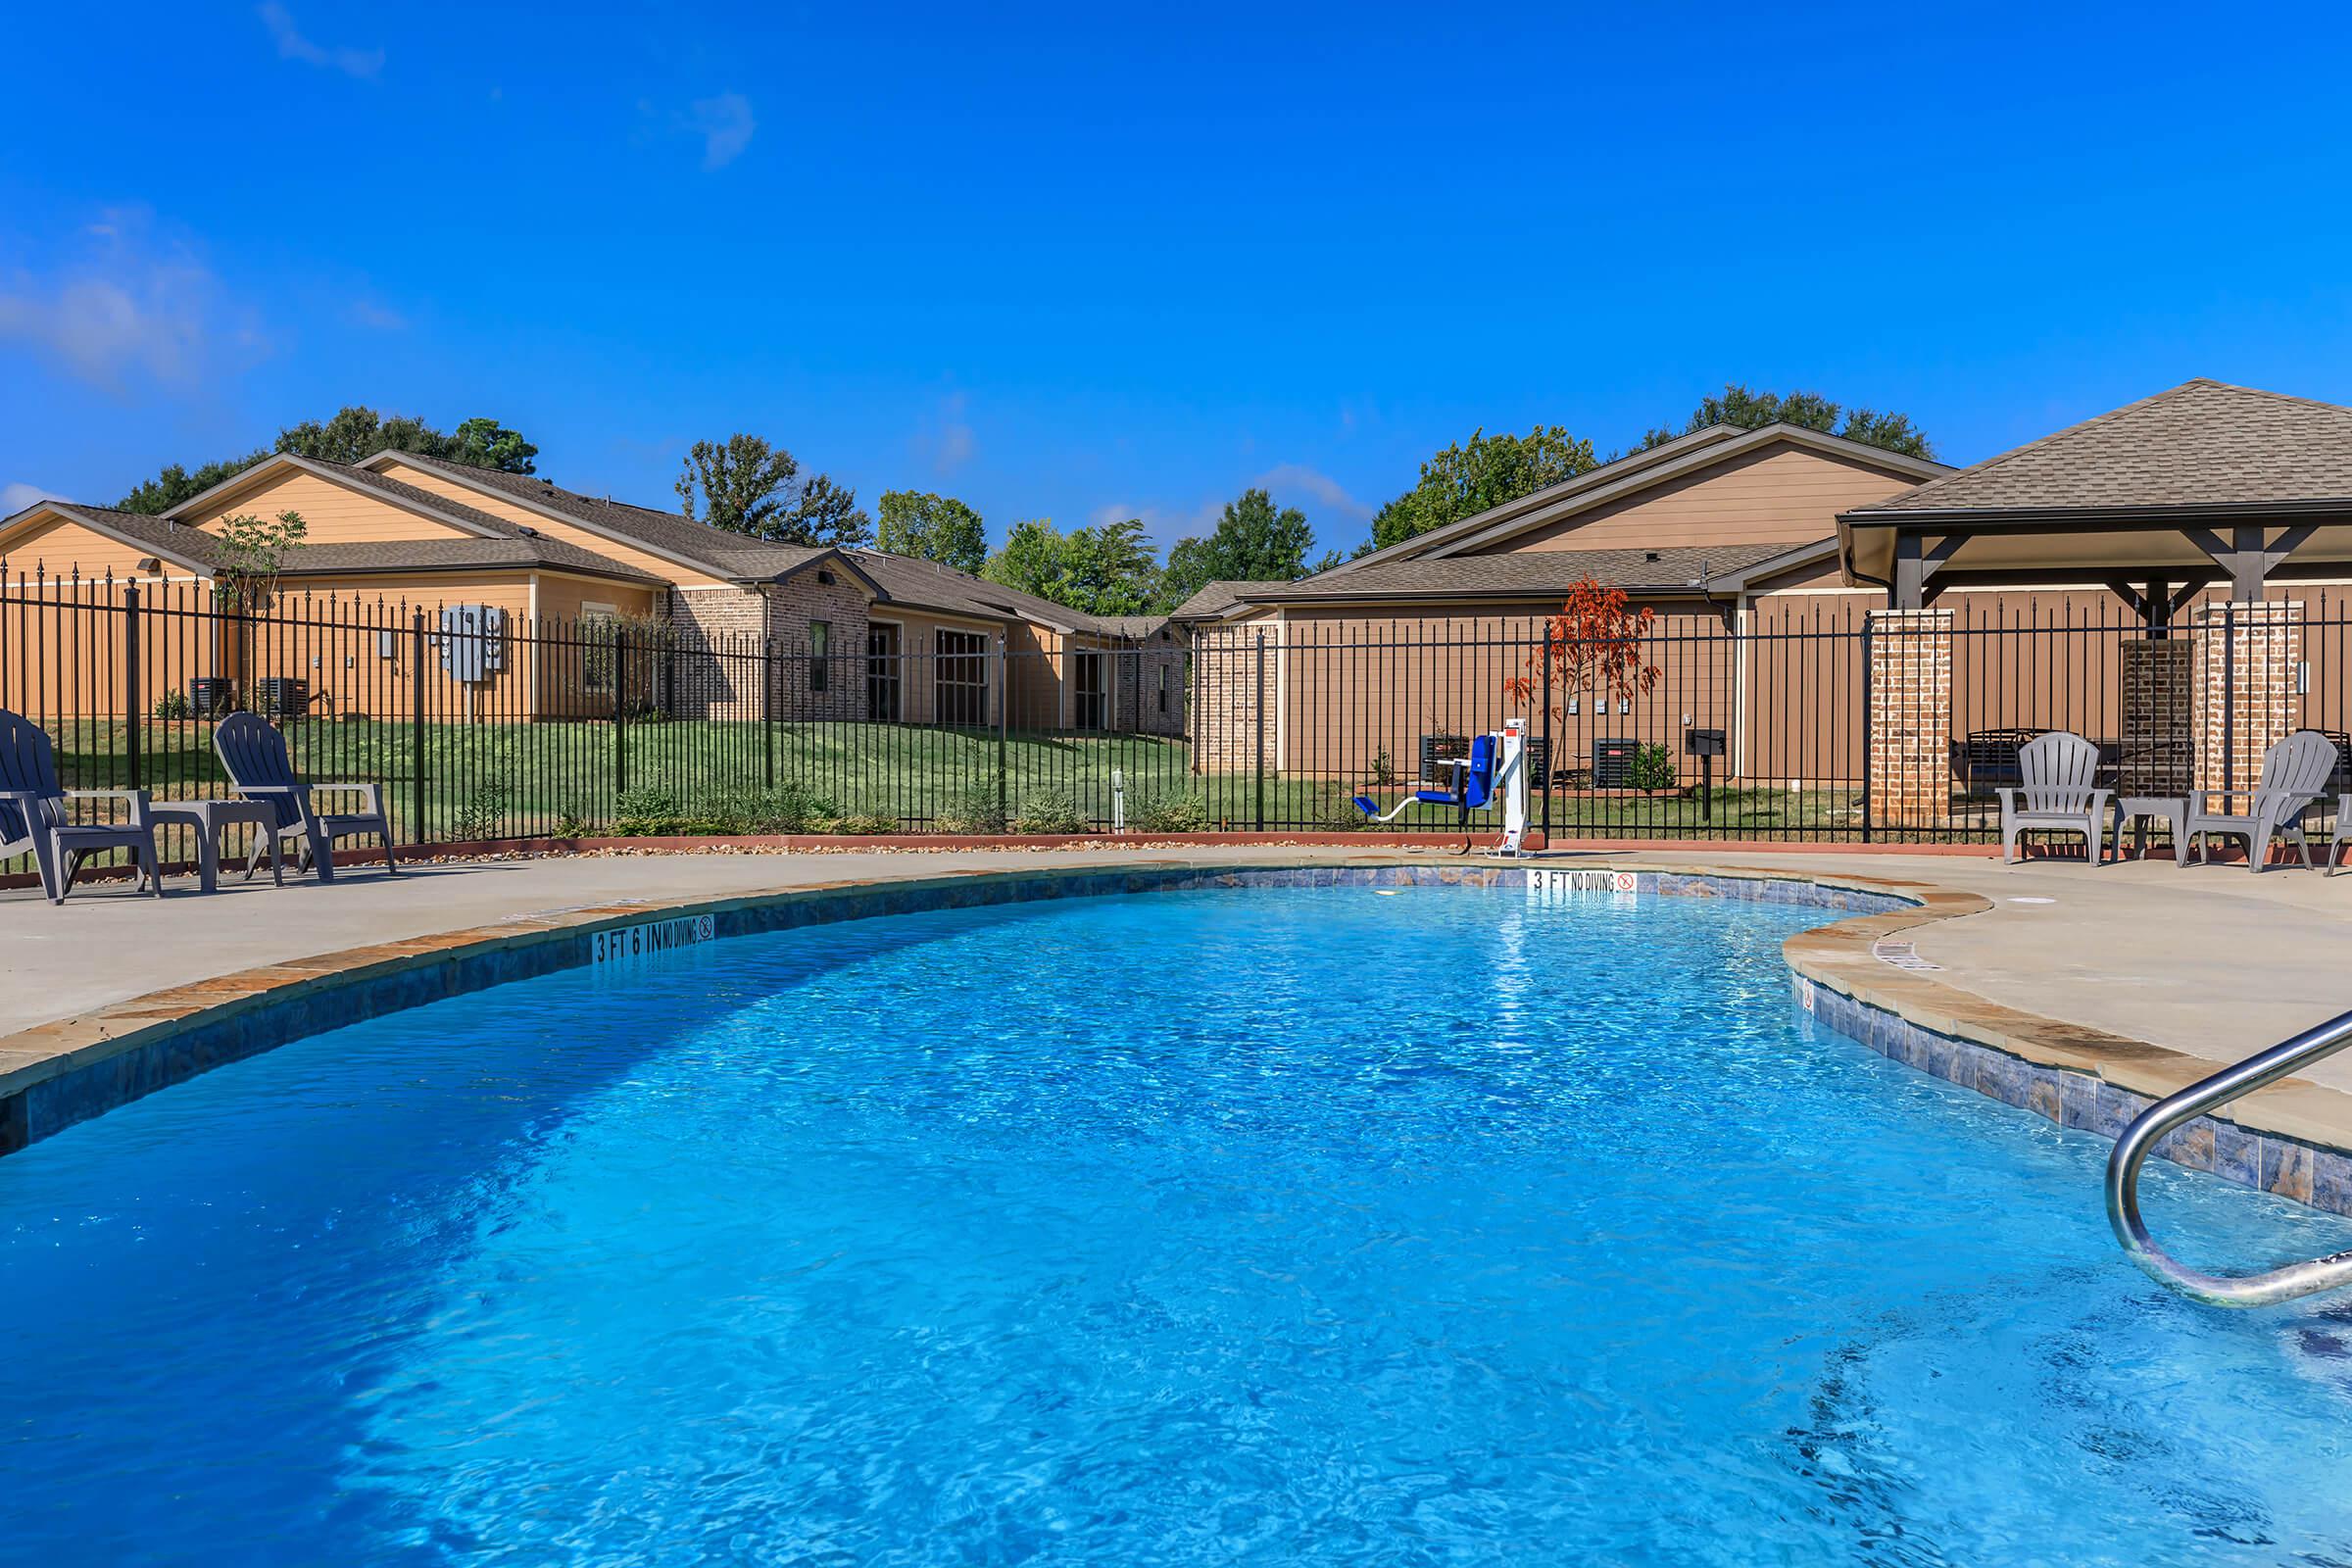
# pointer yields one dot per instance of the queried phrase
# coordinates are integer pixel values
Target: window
(1092, 708)
(882, 673)
(1164, 688)
(959, 677)
(820, 654)
(599, 628)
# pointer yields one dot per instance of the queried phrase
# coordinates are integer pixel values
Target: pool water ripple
(1203, 1227)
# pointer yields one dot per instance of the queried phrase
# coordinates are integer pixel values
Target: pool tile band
(130, 1051)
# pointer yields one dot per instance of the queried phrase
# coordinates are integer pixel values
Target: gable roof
(922, 584)
(1629, 475)
(2203, 443)
(694, 545)
(1215, 599)
(453, 513)
(197, 550)
(191, 548)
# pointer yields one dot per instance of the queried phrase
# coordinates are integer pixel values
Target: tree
(1751, 409)
(1105, 571)
(749, 487)
(252, 553)
(932, 527)
(355, 433)
(1252, 542)
(1595, 647)
(1465, 480)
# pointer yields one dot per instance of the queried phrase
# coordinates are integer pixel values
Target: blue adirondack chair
(255, 755)
(35, 819)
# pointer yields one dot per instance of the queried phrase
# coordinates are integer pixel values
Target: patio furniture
(35, 819)
(2056, 770)
(208, 818)
(2295, 772)
(2138, 809)
(255, 755)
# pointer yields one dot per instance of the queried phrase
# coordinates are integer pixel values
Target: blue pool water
(1241, 1226)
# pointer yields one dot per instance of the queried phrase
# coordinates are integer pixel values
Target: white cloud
(725, 123)
(948, 442)
(293, 45)
(14, 497)
(1289, 478)
(381, 318)
(131, 307)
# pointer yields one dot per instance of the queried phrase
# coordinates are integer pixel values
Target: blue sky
(1093, 263)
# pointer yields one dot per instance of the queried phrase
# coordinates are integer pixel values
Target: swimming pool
(1323, 1224)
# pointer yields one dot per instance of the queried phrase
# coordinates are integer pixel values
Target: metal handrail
(2131, 1149)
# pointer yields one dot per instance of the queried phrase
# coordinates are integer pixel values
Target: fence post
(1543, 696)
(1004, 722)
(1867, 717)
(417, 832)
(1261, 731)
(2230, 713)
(621, 712)
(135, 710)
(767, 708)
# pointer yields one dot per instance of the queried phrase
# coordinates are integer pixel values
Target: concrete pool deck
(2085, 967)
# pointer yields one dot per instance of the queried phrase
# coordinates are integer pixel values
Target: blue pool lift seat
(1473, 785)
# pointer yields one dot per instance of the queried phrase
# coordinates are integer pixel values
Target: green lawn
(490, 780)
(503, 780)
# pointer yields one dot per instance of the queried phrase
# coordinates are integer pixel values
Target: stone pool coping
(2294, 1139)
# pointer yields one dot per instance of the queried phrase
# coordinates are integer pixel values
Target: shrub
(1170, 813)
(1384, 768)
(866, 822)
(572, 822)
(972, 811)
(174, 704)
(1332, 808)
(1049, 811)
(645, 810)
(482, 814)
(1653, 767)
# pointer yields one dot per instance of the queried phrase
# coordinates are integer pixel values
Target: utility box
(1702, 743)
(472, 641)
(1613, 764)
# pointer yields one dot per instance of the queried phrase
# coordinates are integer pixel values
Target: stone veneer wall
(2247, 658)
(1910, 719)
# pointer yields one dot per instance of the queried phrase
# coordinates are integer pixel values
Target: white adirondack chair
(2057, 793)
(2294, 773)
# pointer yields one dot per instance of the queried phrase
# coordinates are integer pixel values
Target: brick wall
(719, 634)
(1911, 719)
(791, 606)
(1229, 692)
(2158, 739)
(2246, 658)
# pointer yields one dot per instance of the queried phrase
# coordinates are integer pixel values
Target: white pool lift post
(1494, 774)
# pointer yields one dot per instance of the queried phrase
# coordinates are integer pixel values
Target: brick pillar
(2159, 737)
(2249, 659)
(1910, 719)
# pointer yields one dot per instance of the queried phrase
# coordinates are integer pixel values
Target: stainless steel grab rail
(2131, 1149)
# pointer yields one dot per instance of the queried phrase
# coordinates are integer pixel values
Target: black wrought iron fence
(1798, 717)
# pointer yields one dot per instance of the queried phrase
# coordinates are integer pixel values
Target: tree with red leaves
(1595, 647)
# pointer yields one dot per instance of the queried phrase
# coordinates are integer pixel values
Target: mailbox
(1702, 743)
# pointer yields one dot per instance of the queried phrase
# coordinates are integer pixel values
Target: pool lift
(1494, 774)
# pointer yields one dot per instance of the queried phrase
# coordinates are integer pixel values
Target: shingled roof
(665, 533)
(1532, 573)
(1213, 598)
(2201, 444)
